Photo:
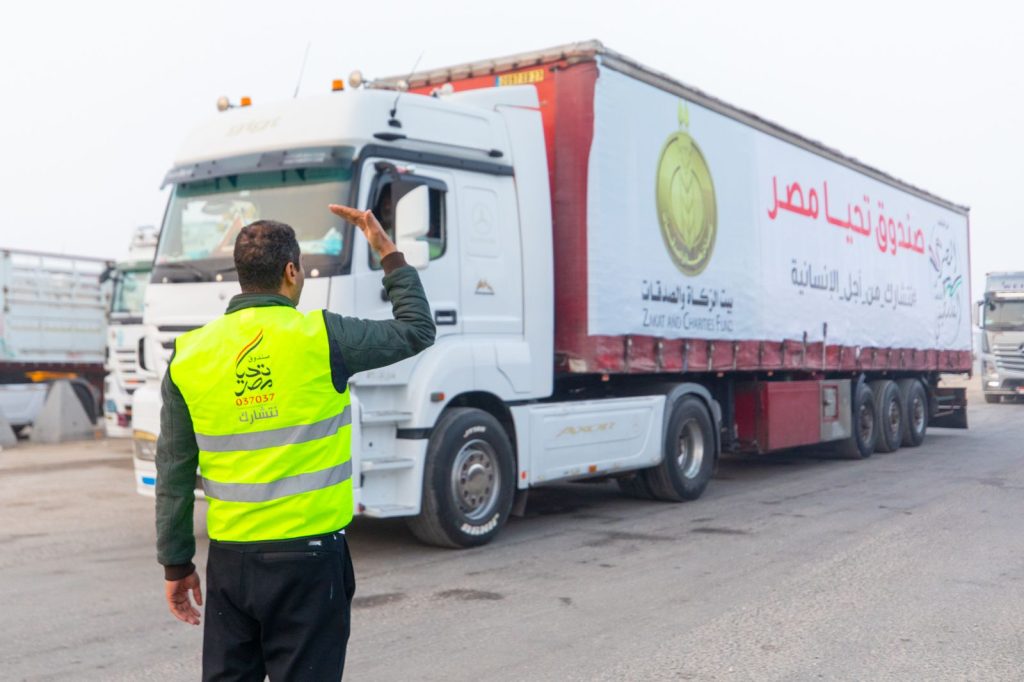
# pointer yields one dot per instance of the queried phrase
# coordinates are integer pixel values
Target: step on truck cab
(628, 277)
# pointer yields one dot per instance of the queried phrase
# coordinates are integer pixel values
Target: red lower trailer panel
(778, 414)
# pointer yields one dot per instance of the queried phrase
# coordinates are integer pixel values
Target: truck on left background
(124, 331)
(53, 311)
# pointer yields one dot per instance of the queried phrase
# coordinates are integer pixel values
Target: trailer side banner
(700, 226)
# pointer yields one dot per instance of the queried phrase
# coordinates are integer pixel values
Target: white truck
(628, 278)
(52, 326)
(130, 278)
(1002, 337)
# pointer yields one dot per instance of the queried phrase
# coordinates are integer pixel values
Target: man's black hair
(262, 251)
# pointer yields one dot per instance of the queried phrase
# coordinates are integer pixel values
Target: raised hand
(370, 226)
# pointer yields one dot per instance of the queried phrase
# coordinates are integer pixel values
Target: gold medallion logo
(686, 200)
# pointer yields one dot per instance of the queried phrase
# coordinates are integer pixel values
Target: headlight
(144, 444)
(988, 369)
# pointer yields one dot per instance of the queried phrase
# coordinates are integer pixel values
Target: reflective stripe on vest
(273, 433)
(288, 435)
(282, 487)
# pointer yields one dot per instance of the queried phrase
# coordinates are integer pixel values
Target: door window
(386, 195)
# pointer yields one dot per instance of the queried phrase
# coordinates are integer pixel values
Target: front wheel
(468, 481)
(689, 454)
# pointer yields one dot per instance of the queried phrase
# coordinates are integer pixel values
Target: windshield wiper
(188, 267)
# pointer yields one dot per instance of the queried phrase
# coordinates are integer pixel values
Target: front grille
(168, 333)
(1009, 357)
(128, 368)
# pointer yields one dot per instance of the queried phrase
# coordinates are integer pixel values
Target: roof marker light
(246, 101)
(223, 103)
(355, 79)
(337, 85)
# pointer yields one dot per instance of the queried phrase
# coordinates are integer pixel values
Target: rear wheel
(468, 481)
(864, 423)
(915, 409)
(889, 411)
(689, 454)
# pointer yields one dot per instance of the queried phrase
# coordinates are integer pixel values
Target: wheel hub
(894, 417)
(476, 480)
(867, 423)
(690, 454)
(917, 408)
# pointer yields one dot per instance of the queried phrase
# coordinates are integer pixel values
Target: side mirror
(108, 274)
(412, 221)
(977, 316)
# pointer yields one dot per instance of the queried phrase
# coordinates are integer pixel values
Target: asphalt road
(906, 566)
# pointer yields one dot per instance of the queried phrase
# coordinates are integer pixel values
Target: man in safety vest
(258, 400)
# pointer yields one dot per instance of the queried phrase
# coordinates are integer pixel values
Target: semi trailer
(629, 277)
(52, 326)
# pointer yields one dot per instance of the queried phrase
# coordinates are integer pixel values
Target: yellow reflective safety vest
(274, 435)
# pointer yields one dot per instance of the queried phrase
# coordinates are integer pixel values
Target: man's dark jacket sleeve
(358, 345)
(177, 457)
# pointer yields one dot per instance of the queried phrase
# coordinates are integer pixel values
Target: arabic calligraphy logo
(686, 200)
(251, 374)
(948, 284)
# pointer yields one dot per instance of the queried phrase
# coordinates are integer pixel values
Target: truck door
(492, 272)
(382, 185)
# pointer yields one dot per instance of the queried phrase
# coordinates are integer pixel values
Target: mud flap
(950, 408)
(519, 504)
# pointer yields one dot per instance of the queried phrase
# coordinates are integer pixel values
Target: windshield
(204, 217)
(129, 292)
(1004, 315)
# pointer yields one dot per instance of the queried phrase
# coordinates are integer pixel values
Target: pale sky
(97, 96)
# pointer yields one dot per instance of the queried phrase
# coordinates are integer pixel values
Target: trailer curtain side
(688, 240)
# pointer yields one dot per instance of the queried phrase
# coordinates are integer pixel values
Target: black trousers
(278, 608)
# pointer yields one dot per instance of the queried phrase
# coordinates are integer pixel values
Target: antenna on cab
(402, 86)
(302, 70)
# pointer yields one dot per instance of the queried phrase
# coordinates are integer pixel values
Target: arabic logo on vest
(686, 200)
(251, 371)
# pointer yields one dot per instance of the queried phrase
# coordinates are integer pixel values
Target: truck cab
(124, 332)
(468, 174)
(1001, 319)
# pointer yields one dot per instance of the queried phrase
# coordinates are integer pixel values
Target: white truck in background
(129, 278)
(628, 278)
(53, 312)
(1001, 320)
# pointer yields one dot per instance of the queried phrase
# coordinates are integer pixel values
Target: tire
(889, 410)
(635, 486)
(915, 410)
(864, 424)
(469, 458)
(689, 454)
(993, 399)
